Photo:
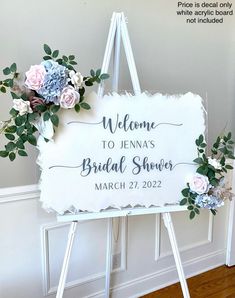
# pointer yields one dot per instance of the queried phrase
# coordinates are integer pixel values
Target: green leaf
(92, 72)
(13, 112)
(19, 121)
(222, 161)
(197, 142)
(55, 54)
(73, 62)
(54, 108)
(47, 49)
(46, 116)
(85, 106)
(55, 120)
(20, 130)
(20, 144)
(4, 153)
(70, 67)
(198, 160)
(98, 80)
(13, 68)
(10, 146)
(203, 145)
(47, 58)
(32, 140)
(185, 192)
(213, 211)
(82, 91)
(6, 71)
(211, 173)
(104, 76)
(183, 202)
(24, 97)
(8, 83)
(202, 170)
(65, 58)
(77, 108)
(32, 116)
(214, 151)
(41, 108)
(190, 207)
(229, 136)
(223, 150)
(196, 210)
(60, 61)
(88, 83)
(228, 167)
(98, 72)
(11, 129)
(71, 57)
(22, 153)
(24, 137)
(10, 136)
(200, 139)
(12, 156)
(214, 182)
(14, 96)
(192, 214)
(3, 89)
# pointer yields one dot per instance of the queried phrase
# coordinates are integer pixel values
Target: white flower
(76, 79)
(199, 184)
(214, 163)
(22, 106)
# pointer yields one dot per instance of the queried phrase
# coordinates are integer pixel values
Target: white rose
(69, 97)
(214, 163)
(199, 184)
(76, 79)
(22, 106)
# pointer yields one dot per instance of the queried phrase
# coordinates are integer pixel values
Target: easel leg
(108, 257)
(169, 225)
(67, 255)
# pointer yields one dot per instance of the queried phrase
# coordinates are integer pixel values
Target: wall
(171, 57)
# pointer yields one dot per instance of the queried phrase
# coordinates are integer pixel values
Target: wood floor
(216, 283)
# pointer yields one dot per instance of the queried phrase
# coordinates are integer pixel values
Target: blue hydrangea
(208, 201)
(54, 82)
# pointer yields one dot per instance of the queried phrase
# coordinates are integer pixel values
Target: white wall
(171, 57)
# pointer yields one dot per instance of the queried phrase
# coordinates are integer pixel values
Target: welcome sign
(126, 151)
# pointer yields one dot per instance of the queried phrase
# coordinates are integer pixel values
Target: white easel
(118, 31)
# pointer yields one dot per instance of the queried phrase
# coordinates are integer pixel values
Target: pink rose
(69, 97)
(35, 77)
(199, 184)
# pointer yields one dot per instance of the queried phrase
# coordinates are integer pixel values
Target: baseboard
(152, 282)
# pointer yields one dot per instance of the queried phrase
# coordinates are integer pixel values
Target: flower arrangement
(207, 189)
(47, 87)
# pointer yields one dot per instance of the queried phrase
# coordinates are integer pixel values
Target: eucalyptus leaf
(22, 153)
(12, 156)
(47, 49)
(55, 120)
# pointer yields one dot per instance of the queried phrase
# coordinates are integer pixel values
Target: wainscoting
(33, 243)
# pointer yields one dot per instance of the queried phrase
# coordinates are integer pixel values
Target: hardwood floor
(216, 283)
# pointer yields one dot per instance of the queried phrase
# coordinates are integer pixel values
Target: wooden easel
(118, 31)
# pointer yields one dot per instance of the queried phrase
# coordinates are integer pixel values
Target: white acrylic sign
(126, 151)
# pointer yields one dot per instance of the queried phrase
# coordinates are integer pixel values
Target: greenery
(21, 128)
(221, 151)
